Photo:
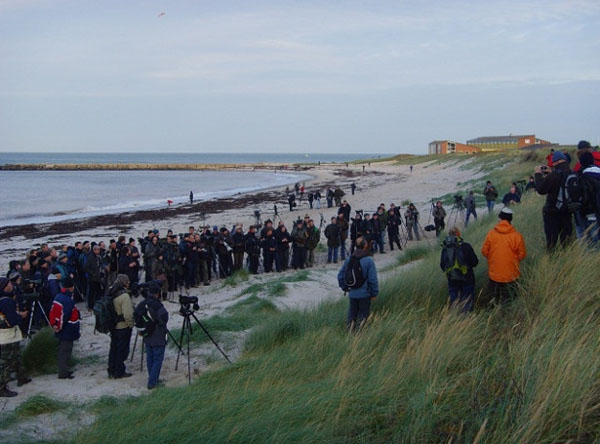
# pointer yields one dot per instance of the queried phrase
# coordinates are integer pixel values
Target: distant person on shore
(512, 197)
(504, 249)
(10, 339)
(411, 169)
(358, 277)
(471, 208)
(318, 199)
(491, 194)
(191, 197)
(64, 319)
(353, 188)
(292, 201)
(457, 261)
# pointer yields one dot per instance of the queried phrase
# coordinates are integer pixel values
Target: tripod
(35, 305)
(457, 208)
(142, 357)
(186, 330)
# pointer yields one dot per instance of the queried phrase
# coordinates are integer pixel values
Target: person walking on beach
(358, 277)
(470, 206)
(191, 197)
(504, 249)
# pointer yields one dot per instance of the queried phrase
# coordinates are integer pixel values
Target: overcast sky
(296, 76)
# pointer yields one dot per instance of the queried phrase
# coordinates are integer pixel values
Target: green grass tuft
(39, 357)
(39, 405)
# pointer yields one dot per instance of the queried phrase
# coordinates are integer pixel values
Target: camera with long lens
(189, 304)
(458, 199)
(31, 288)
(142, 289)
(257, 214)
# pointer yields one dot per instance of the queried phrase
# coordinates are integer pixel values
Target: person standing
(191, 197)
(439, 214)
(491, 194)
(314, 237)
(239, 245)
(299, 238)
(411, 217)
(343, 226)
(458, 260)
(353, 188)
(253, 250)
(471, 208)
(332, 233)
(558, 225)
(10, 338)
(64, 319)
(311, 198)
(284, 241)
(393, 228)
(155, 342)
(93, 270)
(120, 336)
(504, 249)
(360, 298)
(318, 199)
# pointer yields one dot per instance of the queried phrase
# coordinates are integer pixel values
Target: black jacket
(550, 185)
(158, 338)
(471, 261)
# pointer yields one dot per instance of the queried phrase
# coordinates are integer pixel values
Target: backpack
(145, 319)
(453, 260)
(354, 277)
(106, 315)
(571, 194)
(591, 194)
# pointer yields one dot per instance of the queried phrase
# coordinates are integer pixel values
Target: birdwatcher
(457, 261)
(504, 249)
(156, 339)
(358, 277)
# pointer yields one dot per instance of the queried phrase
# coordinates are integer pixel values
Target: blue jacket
(64, 317)
(8, 307)
(370, 288)
(53, 286)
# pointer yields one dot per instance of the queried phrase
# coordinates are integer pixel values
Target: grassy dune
(417, 373)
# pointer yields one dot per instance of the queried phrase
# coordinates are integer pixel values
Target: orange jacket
(504, 248)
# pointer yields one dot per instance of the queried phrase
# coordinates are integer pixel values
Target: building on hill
(510, 142)
(449, 147)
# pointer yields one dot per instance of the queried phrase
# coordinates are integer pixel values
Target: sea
(52, 196)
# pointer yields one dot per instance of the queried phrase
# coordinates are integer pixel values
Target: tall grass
(418, 372)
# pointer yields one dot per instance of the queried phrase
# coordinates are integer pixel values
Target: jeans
(119, 350)
(65, 348)
(343, 251)
(462, 295)
(332, 254)
(469, 212)
(358, 312)
(379, 241)
(490, 205)
(154, 360)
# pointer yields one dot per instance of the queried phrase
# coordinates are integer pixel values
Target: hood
(360, 254)
(503, 227)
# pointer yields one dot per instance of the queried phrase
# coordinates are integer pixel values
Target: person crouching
(120, 336)
(64, 319)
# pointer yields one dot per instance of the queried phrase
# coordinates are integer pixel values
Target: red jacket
(549, 160)
(596, 155)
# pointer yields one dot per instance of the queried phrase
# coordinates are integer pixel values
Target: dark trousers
(94, 293)
(501, 292)
(225, 265)
(238, 261)
(298, 257)
(358, 312)
(119, 350)
(65, 349)
(10, 361)
(268, 258)
(190, 274)
(558, 227)
(394, 239)
(462, 295)
(253, 263)
(440, 225)
(284, 259)
(154, 360)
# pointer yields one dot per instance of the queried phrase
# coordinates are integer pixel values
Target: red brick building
(450, 147)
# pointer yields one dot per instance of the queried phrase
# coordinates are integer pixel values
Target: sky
(294, 76)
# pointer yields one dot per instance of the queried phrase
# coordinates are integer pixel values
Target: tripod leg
(39, 305)
(188, 355)
(142, 359)
(134, 345)
(31, 315)
(211, 338)
(180, 351)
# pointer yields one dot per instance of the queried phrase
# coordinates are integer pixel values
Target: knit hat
(62, 256)
(14, 275)
(68, 282)
(506, 214)
(584, 145)
(215, 228)
(586, 160)
(3, 283)
(558, 155)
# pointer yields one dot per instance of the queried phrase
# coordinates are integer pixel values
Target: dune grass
(418, 372)
(39, 357)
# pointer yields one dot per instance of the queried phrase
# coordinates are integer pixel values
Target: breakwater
(148, 166)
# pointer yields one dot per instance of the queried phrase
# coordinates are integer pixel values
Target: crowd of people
(88, 272)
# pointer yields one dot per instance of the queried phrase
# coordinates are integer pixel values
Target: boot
(23, 380)
(6, 393)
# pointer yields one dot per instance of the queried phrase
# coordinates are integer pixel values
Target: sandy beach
(382, 182)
